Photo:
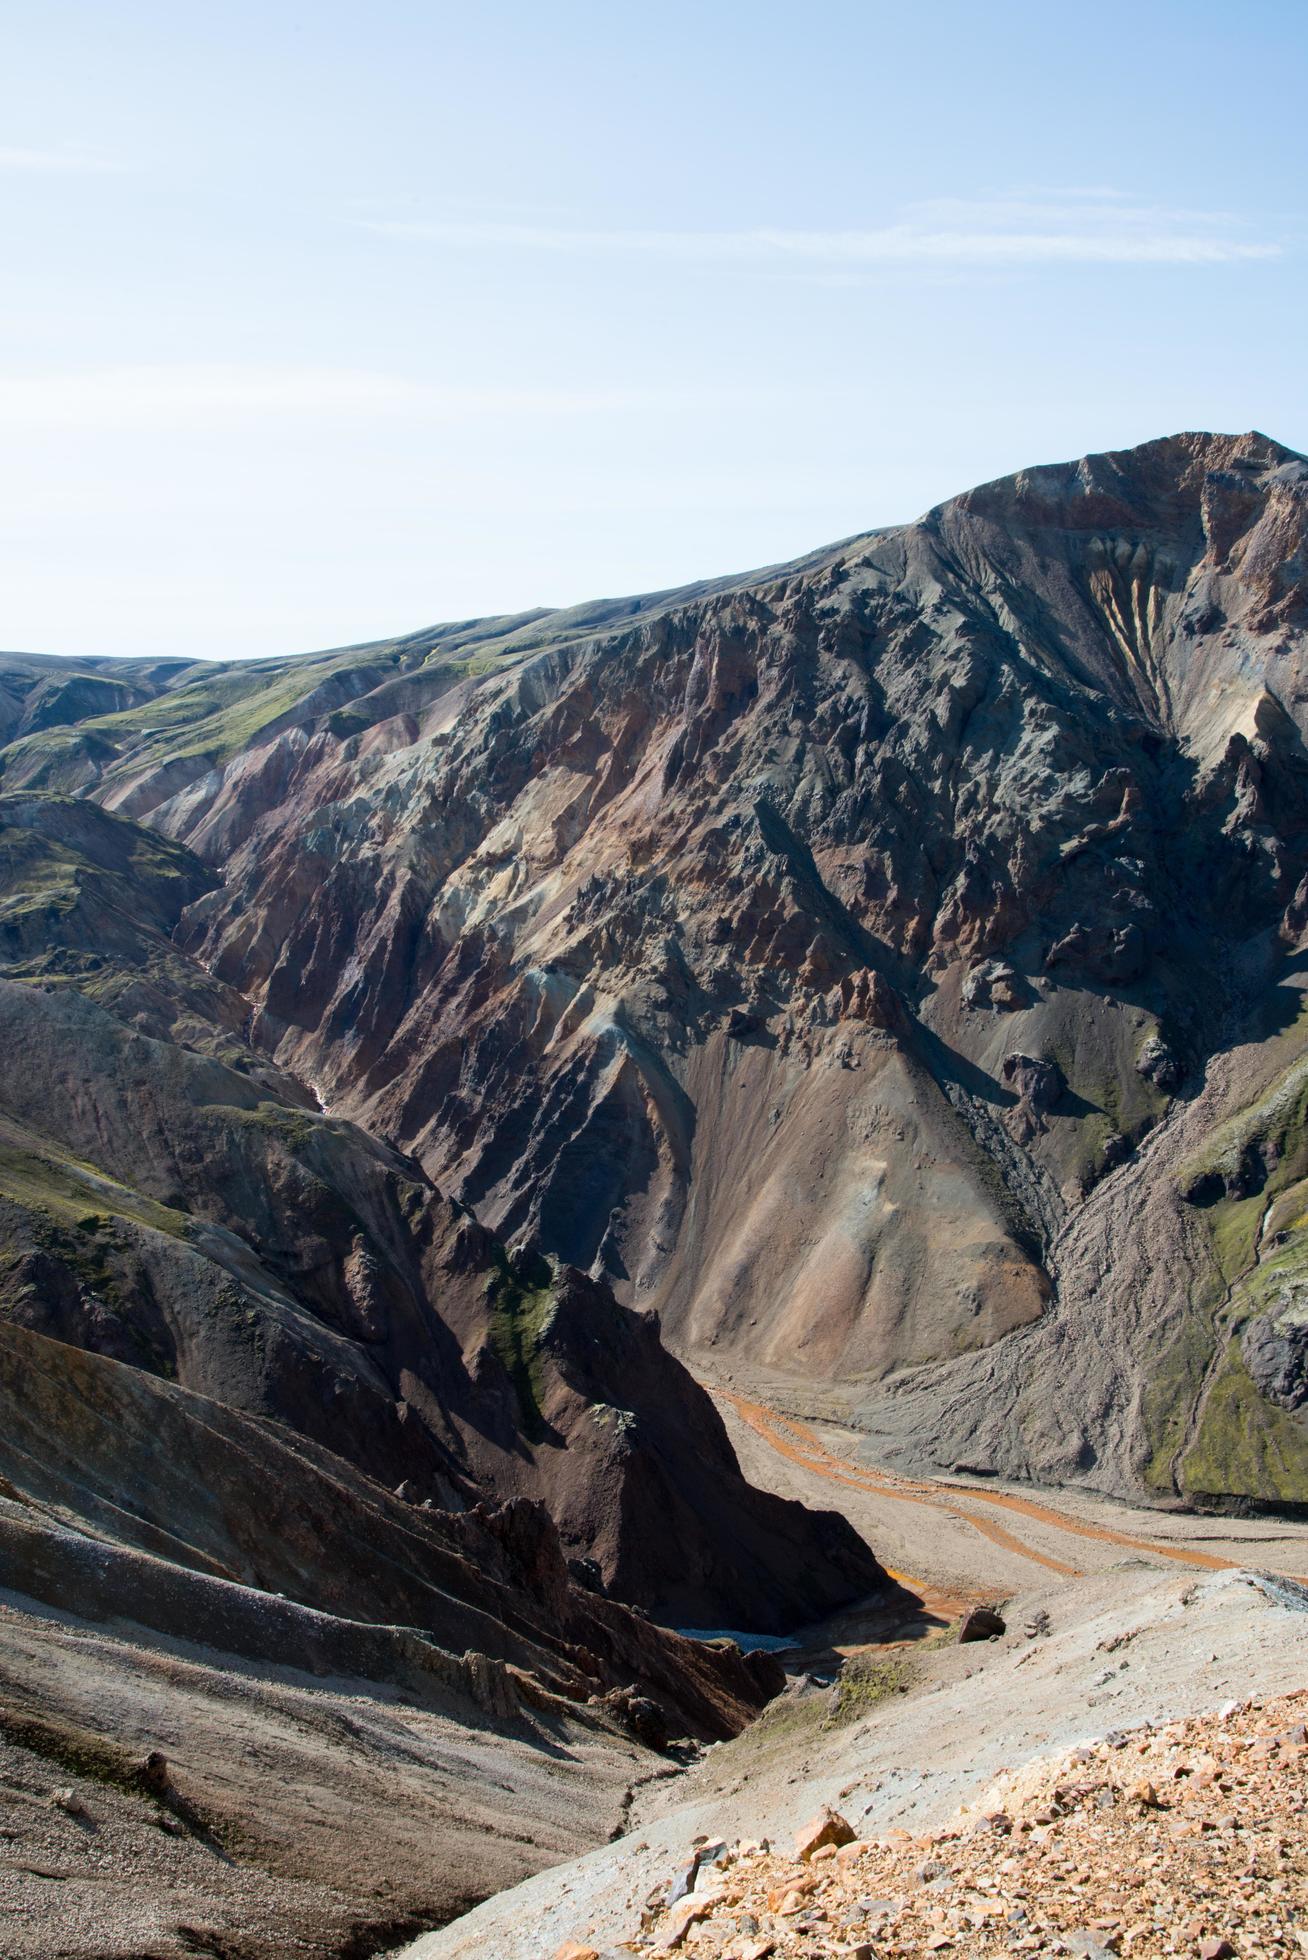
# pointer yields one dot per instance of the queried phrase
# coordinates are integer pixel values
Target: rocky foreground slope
(999, 1795)
(1180, 1838)
(886, 967)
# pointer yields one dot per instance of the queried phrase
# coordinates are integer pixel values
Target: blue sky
(325, 322)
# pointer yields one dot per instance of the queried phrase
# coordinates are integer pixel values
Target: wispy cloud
(190, 396)
(1090, 227)
(55, 163)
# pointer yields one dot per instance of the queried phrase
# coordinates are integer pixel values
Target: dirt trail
(795, 1441)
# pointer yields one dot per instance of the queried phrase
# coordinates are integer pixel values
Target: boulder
(996, 985)
(1036, 1080)
(1157, 1064)
(982, 1623)
(828, 1827)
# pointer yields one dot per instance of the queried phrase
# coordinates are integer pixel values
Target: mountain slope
(858, 963)
(168, 1202)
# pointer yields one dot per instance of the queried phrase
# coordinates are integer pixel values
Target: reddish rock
(827, 1828)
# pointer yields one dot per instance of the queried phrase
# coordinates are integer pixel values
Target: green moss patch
(1246, 1446)
(866, 1680)
(1174, 1385)
(78, 1196)
(294, 1127)
(1274, 1127)
(522, 1307)
(1233, 1227)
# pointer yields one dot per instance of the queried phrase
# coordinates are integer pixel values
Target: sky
(325, 323)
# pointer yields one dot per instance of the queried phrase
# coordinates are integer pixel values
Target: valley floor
(963, 1539)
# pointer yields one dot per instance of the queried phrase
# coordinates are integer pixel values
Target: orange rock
(828, 1827)
(576, 1950)
(680, 1920)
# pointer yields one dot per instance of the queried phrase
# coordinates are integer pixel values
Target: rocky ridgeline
(1186, 1839)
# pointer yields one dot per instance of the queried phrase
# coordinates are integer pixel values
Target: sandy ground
(965, 1539)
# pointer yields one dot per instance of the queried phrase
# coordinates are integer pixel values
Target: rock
(1038, 1081)
(1215, 1948)
(827, 1828)
(711, 1851)
(152, 1772)
(576, 1950)
(639, 1715)
(981, 1623)
(682, 1883)
(587, 1574)
(1276, 1355)
(742, 1023)
(1117, 955)
(1144, 1793)
(684, 1915)
(766, 1672)
(997, 985)
(1157, 1064)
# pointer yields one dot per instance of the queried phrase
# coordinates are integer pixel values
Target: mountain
(171, 1202)
(310, 1478)
(886, 968)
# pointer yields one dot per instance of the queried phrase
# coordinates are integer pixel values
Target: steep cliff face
(847, 961)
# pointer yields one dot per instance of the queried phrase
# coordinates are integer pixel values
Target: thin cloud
(200, 396)
(55, 163)
(1098, 227)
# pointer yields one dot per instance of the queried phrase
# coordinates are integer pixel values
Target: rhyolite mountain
(887, 969)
